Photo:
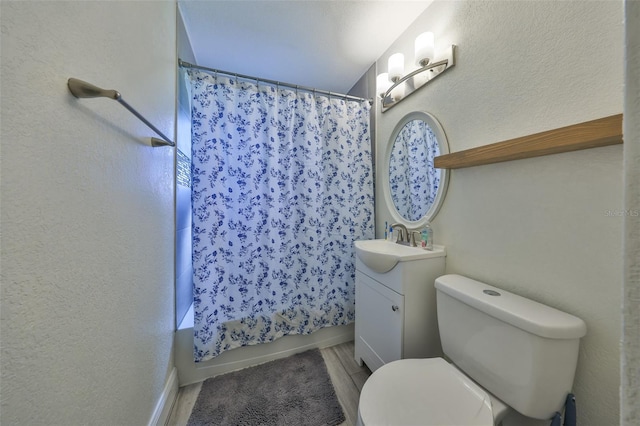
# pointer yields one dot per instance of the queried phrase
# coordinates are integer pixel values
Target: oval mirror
(414, 188)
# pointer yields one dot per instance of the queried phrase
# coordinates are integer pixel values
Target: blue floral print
(413, 180)
(282, 185)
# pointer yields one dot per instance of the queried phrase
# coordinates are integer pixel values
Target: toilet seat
(423, 392)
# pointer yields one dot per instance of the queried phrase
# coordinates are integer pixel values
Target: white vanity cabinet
(396, 311)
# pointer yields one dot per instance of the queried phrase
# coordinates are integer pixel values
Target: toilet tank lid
(518, 311)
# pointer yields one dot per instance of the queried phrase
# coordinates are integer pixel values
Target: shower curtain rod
(274, 82)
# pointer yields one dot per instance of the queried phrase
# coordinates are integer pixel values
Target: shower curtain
(282, 185)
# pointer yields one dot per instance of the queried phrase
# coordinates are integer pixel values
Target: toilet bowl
(426, 392)
(507, 352)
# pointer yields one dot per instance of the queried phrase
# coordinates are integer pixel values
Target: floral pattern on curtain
(282, 185)
(413, 180)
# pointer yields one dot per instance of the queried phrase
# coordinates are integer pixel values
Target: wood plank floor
(347, 377)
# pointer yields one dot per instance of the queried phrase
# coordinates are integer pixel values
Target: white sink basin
(382, 255)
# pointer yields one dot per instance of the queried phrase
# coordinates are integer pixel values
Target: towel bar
(82, 89)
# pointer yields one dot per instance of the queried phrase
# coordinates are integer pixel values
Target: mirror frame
(441, 137)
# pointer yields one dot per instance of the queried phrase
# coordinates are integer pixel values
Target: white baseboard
(167, 399)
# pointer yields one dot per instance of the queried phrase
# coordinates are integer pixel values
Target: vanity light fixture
(393, 86)
(383, 83)
(396, 66)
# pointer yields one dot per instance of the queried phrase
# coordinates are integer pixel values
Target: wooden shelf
(590, 134)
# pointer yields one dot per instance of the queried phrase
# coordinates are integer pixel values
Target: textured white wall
(537, 227)
(630, 401)
(87, 212)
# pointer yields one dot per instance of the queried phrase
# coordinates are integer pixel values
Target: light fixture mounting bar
(436, 69)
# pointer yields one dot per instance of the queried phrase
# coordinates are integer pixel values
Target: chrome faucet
(403, 234)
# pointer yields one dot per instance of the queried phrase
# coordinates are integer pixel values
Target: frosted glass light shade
(398, 93)
(424, 48)
(396, 66)
(383, 83)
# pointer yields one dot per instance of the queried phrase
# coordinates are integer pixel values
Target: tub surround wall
(87, 214)
(184, 268)
(246, 356)
(546, 227)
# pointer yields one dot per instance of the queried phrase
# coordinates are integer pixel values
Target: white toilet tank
(523, 352)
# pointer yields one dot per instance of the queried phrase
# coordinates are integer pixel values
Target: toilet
(505, 352)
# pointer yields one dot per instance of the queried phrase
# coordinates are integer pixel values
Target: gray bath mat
(291, 391)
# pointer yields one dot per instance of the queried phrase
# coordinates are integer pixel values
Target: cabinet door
(379, 322)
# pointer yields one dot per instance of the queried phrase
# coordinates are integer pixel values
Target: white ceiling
(327, 44)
